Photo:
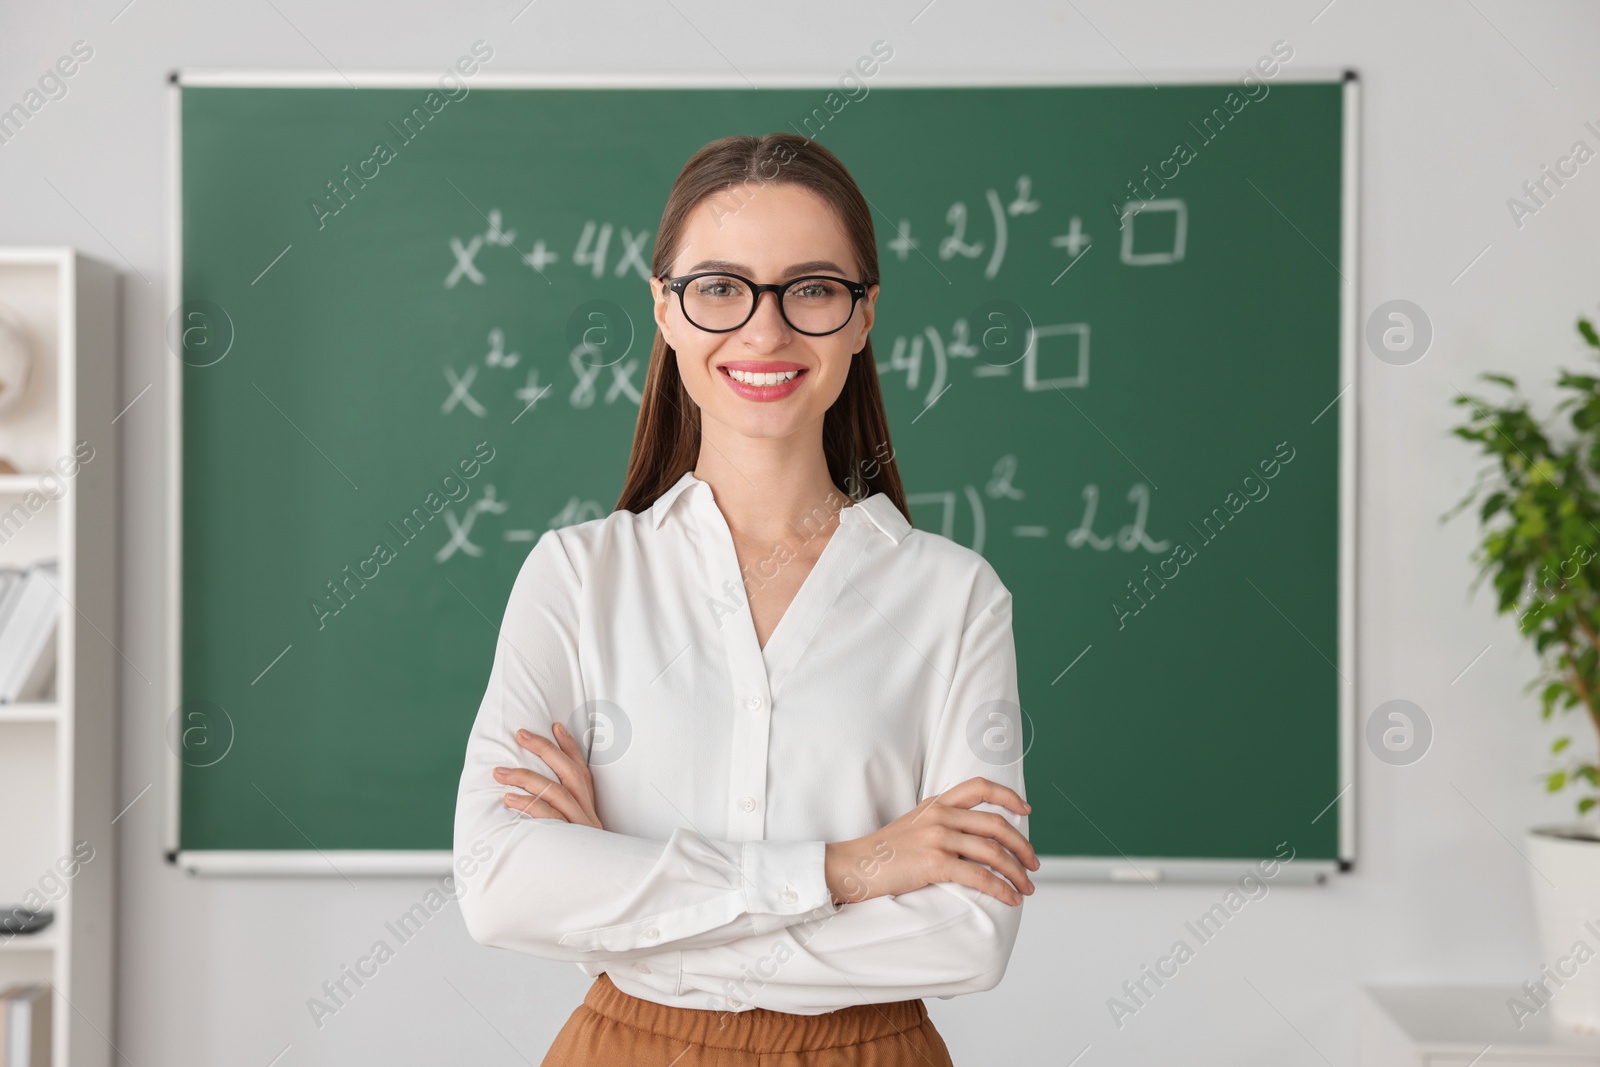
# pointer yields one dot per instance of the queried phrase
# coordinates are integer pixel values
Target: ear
(868, 311)
(661, 297)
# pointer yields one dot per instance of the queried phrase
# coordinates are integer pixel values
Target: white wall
(1464, 100)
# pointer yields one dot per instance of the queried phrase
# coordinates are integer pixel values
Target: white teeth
(751, 378)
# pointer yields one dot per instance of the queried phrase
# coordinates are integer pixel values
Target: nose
(766, 329)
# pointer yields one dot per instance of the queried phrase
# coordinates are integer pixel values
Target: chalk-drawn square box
(1039, 343)
(1163, 241)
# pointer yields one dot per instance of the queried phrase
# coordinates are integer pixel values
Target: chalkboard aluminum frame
(428, 863)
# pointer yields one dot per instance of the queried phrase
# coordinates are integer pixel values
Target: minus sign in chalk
(1134, 874)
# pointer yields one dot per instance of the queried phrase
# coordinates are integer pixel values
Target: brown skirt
(616, 1029)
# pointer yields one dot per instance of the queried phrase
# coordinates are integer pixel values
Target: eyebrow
(812, 266)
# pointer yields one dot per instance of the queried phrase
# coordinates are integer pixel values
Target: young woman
(750, 749)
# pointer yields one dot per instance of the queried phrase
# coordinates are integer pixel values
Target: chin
(756, 425)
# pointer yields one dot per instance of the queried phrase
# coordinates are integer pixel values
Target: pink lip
(759, 366)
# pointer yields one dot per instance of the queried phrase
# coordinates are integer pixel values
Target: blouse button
(789, 895)
(754, 703)
(641, 968)
(748, 803)
(733, 1003)
(651, 934)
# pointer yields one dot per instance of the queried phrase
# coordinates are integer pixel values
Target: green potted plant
(1540, 513)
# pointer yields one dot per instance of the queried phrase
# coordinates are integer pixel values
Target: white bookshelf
(31, 711)
(57, 754)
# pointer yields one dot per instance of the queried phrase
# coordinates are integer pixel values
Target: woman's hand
(571, 798)
(938, 841)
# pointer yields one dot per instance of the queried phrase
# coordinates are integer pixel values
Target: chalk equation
(581, 360)
(594, 252)
(956, 243)
(463, 526)
(605, 248)
(1160, 245)
(946, 506)
(935, 510)
(1001, 342)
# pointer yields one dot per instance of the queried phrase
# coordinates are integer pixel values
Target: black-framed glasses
(813, 304)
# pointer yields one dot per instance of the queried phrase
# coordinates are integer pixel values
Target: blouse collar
(877, 509)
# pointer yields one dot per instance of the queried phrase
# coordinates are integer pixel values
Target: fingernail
(563, 729)
(524, 734)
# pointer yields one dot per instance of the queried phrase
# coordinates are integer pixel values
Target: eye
(816, 289)
(716, 287)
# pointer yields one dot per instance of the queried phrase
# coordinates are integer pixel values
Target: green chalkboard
(1157, 479)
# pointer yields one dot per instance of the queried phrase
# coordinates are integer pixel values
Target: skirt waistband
(756, 1028)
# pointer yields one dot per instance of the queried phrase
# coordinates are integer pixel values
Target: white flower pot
(1565, 875)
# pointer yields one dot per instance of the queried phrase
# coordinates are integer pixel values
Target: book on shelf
(25, 1025)
(29, 608)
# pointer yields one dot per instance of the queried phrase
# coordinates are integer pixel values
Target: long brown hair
(855, 430)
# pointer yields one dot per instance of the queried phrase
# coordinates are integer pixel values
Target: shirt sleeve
(941, 940)
(575, 893)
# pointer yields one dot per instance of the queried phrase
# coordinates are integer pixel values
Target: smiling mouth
(770, 378)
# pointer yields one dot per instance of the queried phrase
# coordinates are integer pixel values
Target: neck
(771, 494)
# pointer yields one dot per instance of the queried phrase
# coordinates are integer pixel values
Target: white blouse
(721, 768)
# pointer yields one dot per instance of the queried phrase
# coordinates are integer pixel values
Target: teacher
(750, 751)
